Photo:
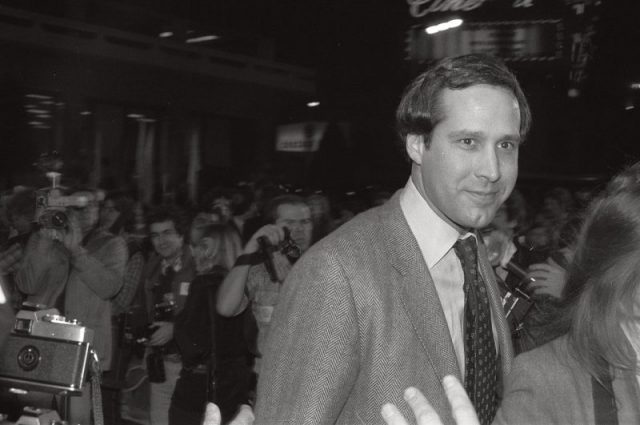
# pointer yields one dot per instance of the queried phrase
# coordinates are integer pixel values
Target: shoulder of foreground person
(546, 386)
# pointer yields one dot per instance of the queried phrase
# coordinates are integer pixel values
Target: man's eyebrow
(470, 134)
(511, 138)
(466, 134)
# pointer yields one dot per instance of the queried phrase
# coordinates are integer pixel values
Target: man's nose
(488, 165)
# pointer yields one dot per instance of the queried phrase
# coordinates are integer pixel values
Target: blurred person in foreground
(167, 278)
(215, 354)
(20, 212)
(250, 282)
(127, 307)
(385, 302)
(77, 270)
(590, 374)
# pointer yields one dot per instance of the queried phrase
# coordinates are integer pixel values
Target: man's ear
(415, 147)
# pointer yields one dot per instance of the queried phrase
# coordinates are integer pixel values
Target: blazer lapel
(417, 290)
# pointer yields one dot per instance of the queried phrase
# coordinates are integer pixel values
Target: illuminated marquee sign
(515, 30)
(535, 40)
(420, 8)
(300, 137)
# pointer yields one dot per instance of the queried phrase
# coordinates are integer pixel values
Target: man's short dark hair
(419, 109)
(171, 213)
(271, 210)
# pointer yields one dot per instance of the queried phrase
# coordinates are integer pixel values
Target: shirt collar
(435, 236)
(175, 264)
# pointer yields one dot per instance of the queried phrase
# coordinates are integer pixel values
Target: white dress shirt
(436, 238)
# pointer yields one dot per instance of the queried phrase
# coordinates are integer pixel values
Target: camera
(46, 352)
(287, 247)
(51, 203)
(162, 312)
(138, 338)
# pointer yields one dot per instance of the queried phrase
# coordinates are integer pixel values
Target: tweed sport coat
(358, 321)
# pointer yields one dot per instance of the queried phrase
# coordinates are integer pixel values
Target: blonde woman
(215, 354)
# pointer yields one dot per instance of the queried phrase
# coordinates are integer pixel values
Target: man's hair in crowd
(604, 277)
(163, 213)
(420, 109)
(271, 210)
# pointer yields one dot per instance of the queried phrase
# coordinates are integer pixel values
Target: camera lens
(28, 357)
(58, 220)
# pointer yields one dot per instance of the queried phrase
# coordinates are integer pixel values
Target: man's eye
(508, 145)
(467, 141)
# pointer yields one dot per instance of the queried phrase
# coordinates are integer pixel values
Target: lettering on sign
(523, 3)
(420, 8)
(300, 137)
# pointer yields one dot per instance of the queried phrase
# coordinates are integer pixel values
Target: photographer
(249, 280)
(77, 269)
(167, 278)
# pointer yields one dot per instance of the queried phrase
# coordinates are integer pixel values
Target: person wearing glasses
(167, 280)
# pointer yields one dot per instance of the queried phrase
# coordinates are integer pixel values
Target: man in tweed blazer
(377, 306)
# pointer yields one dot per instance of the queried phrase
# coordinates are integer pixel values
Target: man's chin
(477, 221)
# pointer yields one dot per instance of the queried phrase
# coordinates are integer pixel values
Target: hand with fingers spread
(548, 278)
(461, 408)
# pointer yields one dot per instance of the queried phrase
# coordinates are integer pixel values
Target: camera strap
(96, 395)
(211, 373)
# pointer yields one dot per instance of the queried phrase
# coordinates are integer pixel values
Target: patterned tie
(479, 347)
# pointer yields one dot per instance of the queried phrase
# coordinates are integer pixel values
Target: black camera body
(46, 352)
(162, 312)
(139, 337)
(287, 247)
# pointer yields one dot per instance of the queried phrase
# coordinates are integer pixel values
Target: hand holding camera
(70, 236)
(547, 278)
(162, 333)
(274, 234)
(277, 249)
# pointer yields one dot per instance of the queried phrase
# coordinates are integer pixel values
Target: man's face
(108, 214)
(298, 219)
(88, 215)
(165, 239)
(471, 165)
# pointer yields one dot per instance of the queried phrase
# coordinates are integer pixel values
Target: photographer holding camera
(77, 269)
(258, 273)
(167, 279)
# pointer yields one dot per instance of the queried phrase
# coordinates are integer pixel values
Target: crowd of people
(302, 310)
